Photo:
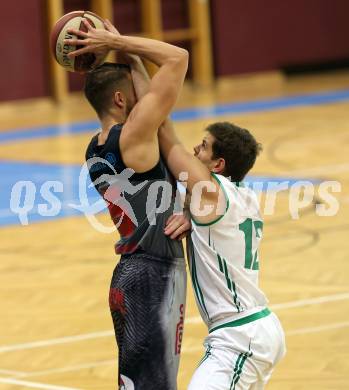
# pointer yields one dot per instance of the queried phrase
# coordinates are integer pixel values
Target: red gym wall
(23, 55)
(247, 35)
(255, 35)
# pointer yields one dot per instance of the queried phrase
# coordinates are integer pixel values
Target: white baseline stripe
(12, 373)
(310, 301)
(34, 385)
(315, 329)
(190, 320)
(290, 305)
(191, 349)
(60, 340)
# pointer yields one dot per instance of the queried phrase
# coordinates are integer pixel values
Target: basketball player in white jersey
(245, 339)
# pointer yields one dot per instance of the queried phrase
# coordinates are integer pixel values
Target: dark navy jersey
(139, 203)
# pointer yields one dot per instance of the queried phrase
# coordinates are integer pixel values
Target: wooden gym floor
(55, 327)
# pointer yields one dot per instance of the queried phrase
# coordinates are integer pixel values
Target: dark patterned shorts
(147, 303)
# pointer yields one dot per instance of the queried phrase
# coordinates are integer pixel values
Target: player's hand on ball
(110, 27)
(95, 41)
(177, 226)
(100, 57)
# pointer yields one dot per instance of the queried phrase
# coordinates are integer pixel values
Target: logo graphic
(179, 330)
(116, 186)
(117, 300)
(110, 157)
(51, 198)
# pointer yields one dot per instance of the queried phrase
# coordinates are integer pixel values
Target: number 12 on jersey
(251, 229)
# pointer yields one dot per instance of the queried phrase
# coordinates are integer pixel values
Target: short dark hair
(237, 146)
(101, 83)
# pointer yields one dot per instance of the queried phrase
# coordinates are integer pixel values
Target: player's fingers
(110, 27)
(179, 226)
(78, 33)
(76, 42)
(87, 24)
(107, 26)
(169, 230)
(76, 53)
(180, 230)
(172, 226)
(170, 219)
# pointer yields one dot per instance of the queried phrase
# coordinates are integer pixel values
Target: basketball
(59, 33)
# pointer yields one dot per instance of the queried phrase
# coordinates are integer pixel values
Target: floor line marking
(194, 113)
(59, 340)
(34, 385)
(321, 328)
(310, 301)
(196, 348)
(319, 170)
(190, 320)
(12, 373)
(292, 304)
(76, 367)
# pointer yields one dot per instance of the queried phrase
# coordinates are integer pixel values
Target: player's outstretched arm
(180, 160)
(204, 191)
(138, 140)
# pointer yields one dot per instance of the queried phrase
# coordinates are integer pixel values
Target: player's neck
(109, 121)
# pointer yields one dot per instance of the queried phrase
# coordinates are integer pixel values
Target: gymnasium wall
(255, 35)
(23, 70)
(248, 36)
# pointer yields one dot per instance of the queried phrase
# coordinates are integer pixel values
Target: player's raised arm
(179, 160)
(203, 188)
(138, 141)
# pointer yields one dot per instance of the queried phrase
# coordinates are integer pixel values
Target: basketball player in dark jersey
(147, 294)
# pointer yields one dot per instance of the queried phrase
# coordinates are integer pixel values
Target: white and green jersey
(224, 260)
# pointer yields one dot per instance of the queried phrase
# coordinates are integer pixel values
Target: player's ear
(119, 99)
(219, 166)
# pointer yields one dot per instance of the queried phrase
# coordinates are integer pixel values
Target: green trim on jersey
(226, 209)
(197, 289)
(242, 321)
(222, 263)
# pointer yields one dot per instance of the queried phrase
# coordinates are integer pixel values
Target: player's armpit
(141, 156)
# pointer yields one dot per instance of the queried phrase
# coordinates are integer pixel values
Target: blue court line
(37, 174)
(262, 105)
(187, 114)
(47, 131)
